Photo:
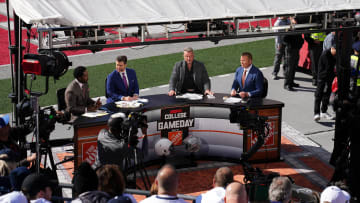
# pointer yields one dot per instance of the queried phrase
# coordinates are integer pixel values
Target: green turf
(152, 71)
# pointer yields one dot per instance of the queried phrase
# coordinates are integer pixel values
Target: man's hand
(233, 93)
(31, 158)
(243, 94)
(171, 93)
(135, 97)
(98, 103)
(208, 92)
(92, 108)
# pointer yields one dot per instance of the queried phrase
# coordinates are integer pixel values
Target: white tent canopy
(128, 12)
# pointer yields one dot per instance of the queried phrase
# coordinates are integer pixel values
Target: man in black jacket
(293, 44)
(326, 75)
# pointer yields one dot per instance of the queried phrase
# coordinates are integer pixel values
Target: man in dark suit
(189, 76)
(122, 83)
(77, 94)
(249, 80)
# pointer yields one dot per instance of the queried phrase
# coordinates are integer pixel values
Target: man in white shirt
(222, 178)
(167, 183)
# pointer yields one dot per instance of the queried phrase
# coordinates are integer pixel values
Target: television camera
(129, 126)
(47, 119)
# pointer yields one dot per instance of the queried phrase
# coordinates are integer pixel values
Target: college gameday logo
(174, 123)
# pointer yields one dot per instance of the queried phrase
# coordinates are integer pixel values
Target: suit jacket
(254, 81)
(77, 99)
(200, 75)
(115, 87)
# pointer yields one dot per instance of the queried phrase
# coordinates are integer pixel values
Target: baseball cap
(33, 183)
(334, 194)
(4, 120)
(356, 46)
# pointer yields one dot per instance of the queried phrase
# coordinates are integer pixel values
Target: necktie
(243, 78)
(124, 80)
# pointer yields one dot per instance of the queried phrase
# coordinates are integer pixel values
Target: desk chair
(265, 88)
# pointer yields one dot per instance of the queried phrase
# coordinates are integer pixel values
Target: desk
(221, 140)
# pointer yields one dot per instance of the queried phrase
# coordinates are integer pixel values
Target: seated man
(249, 80)
(189, 75)
(77, 94)
(122, 83)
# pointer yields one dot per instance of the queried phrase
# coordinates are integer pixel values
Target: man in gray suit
(189, 76)
(77, 94)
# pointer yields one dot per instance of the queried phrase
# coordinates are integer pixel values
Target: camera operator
(8, 138)
(113, 144)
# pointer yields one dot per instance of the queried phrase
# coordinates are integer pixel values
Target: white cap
(334, 194)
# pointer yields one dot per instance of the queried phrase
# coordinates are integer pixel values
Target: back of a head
(85, 179)
(223, 177)
(34, 183)
(280, 189)
(167, 180)
(111, 179)
(334, 194)
(115, 124)
(236, 193)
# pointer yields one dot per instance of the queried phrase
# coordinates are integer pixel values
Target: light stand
(34, 99)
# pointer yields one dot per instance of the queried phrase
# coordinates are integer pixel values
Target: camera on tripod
(47, 119)
(247, 120)
(129, 126)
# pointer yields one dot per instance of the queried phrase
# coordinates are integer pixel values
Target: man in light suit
(122, 83)
(189, 76)
(77, 94)
(250, 83)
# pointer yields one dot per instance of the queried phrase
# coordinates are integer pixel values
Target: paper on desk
(232, 100)
(190, 96)
(128, 104)
(94, 114)
(142, 100)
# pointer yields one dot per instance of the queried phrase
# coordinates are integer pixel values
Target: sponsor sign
(174, 123)
(269, 140)
(89, 152)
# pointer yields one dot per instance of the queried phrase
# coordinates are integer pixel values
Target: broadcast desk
(220, 139)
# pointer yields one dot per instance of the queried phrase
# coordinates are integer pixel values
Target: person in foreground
(189, 76)
(249, 80)
(222, 178)
(122, 83)
(280, 190)
(167, 182)
(77, 94)
(236, 193)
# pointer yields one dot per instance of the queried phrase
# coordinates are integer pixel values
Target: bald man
(235, 193)
(167, 184)
(222, 178)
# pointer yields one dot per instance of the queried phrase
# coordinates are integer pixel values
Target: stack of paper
(232, 100)
(190, 96)
(94, 114)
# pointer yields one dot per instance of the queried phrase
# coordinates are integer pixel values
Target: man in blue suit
(249, 80)
(122, 83)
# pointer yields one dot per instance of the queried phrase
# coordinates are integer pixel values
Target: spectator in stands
(326, 75)
(37, 188)
(279, 47)
(17, 177)
(9, 149)
(236, 193)
(333, 194)
(249, 80)
(293, 45)
(167, 182)
(77, 96)
(329, 41)
(189, 75)
(85, 186)
(222, 178)
(122, 83)
(280, 190)
(112, 182)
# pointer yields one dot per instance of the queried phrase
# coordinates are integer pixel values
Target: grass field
(152, 71)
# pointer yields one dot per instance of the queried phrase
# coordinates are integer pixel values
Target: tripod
(134, 165)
